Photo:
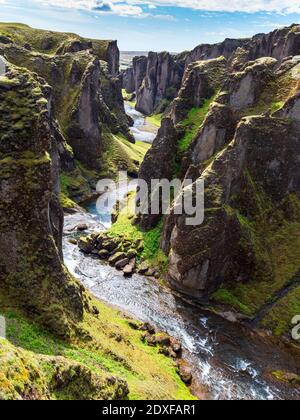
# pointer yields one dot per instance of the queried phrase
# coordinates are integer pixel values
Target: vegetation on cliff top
(47, 42)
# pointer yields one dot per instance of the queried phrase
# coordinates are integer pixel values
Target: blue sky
(140, 25)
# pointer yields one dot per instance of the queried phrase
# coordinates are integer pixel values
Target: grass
(152, 252)
(149, 374)
(76, 183)
(120, 154)
(155, 120)
(192, 124)
(127, 97)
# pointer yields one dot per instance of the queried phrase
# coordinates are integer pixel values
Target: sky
(157, 25)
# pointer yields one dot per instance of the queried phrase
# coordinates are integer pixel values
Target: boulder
(82, 227)
(122, 263)
(103, 254)
(185, 373)
(116, 258)
(128, 270)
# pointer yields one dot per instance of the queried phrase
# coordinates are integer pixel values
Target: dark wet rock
(116, 258)
(150, 272)
(5, 40)
(82, 227)
(143, 268)
(147, 327)
(86, 244)
(132, 253)
(162, 339)
(149, 340)
(176, 346)
(109, 244)
(185, 373)
(121, 263)
(135, 325)
(103, 254)
(128, 270)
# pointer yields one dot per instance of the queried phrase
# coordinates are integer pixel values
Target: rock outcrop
(240, 136)
(158, 89)
(31, 219)
(133, 76)
(86, 100)
(84, 132)
(259, 168)
(162, 81)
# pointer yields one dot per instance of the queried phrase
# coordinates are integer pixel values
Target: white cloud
(133, 7)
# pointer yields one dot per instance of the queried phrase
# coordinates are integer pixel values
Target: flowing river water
(229, 361)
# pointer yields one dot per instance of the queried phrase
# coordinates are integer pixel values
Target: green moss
(192, 124)
(288, 378)
(124, 227)
(275, 94)
(227, 297)
(76, 185)
(276, 244)
(120, 154)
(155, 119)
(114, 348)
(48, 42)
(127, 97)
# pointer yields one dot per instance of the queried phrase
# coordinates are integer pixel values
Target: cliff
(60, 342)
(164, 72)
(239, 133)
(155, 79)
(87, 101)
(133, 76)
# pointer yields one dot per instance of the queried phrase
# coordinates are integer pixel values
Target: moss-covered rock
(31, 272)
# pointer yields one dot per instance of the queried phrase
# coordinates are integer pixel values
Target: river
(142, 130)
(228, 360)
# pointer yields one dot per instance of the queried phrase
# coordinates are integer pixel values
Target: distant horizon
(154, 25)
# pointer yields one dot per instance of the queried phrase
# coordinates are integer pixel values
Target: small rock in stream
(122, 263)
(143, 268)
(114, 259)
(82, 227)
(128, 270)
(185, 372)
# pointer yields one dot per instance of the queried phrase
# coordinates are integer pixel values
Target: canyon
(227, 114)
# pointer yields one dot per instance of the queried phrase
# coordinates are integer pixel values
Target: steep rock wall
(31, 271)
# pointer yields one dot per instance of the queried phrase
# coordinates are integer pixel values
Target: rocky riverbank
(120, 252)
